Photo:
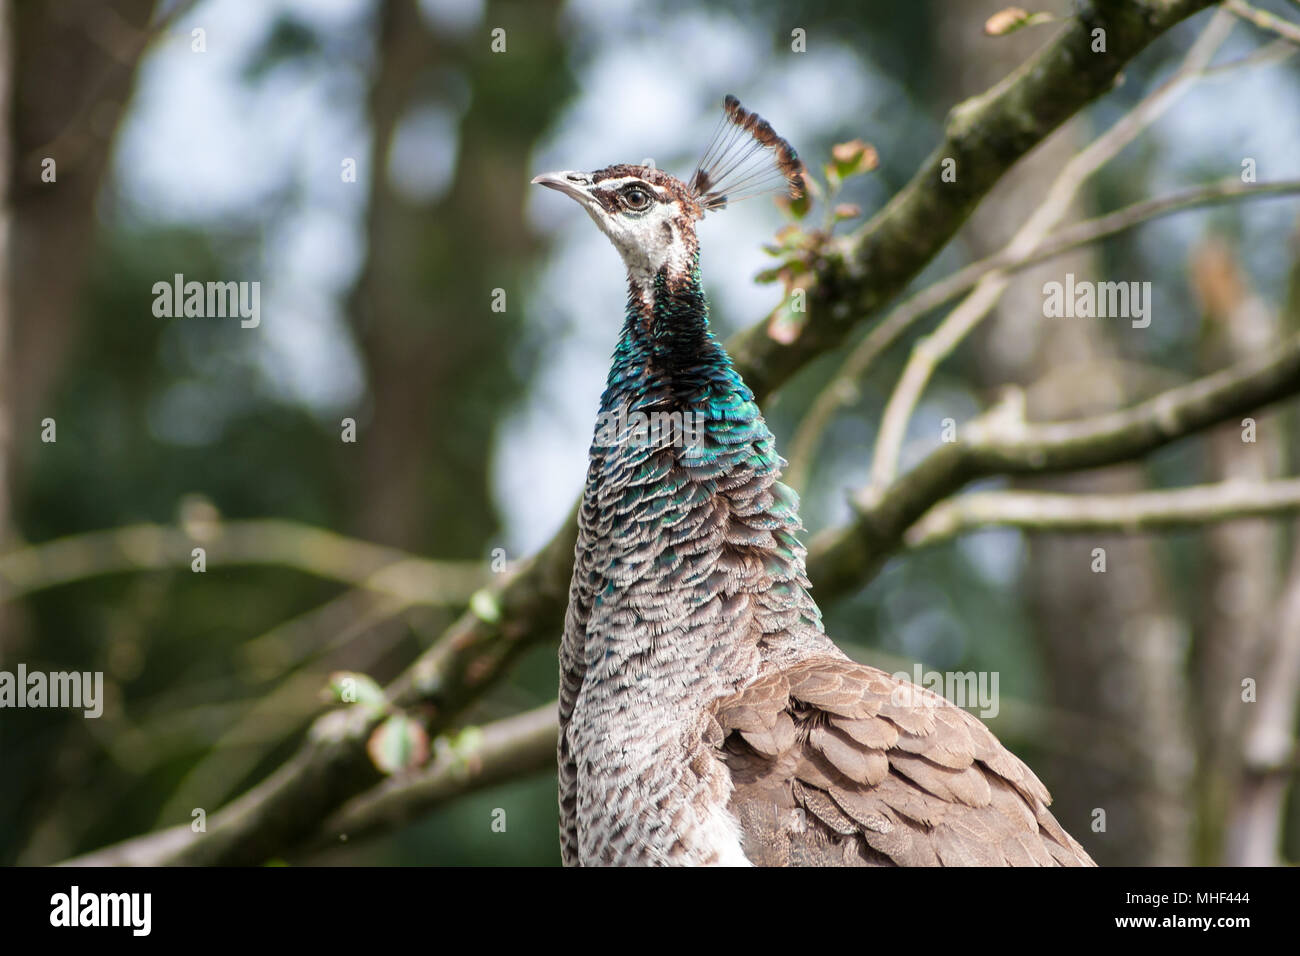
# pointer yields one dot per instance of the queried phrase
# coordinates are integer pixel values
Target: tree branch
(152, 547)
(332, 765)
(1137, 511)
(503, 750)
(930, 351)
(903, 317)
(984, 137)
(1002, 443)
(1264, 20)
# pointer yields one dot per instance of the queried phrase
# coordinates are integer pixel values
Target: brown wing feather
(835, 763)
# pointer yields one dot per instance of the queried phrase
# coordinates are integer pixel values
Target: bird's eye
(636, 198)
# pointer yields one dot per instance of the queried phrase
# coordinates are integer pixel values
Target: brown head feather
(746, 158)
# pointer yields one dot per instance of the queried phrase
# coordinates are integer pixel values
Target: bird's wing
(835, 763)
(589, 565)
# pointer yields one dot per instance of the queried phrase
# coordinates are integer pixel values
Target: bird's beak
(571, 183)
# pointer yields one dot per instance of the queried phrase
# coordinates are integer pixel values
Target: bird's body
(705, 716)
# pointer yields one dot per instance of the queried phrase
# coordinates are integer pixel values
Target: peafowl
(705, 716)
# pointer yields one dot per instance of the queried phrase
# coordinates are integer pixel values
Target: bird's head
(647, 214)
(650, 215)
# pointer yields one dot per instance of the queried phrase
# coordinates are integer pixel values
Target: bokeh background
(472, 423)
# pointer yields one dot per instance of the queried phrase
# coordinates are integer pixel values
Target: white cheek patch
(648, 243)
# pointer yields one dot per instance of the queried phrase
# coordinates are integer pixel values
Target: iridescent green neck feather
(667, 360)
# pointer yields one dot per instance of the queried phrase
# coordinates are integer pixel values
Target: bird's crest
(745, 158)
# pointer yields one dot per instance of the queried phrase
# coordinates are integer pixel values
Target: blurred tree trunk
(74, 65)
(443, 367)
(68, 68)
(1112, 643)
(1240, 578)
(6, 160)
(1255, 826)
(1253, 617)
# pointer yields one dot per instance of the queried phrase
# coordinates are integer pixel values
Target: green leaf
(399, 743)
(853, 158)
(465, 747)
(785, 324)
(791, 237)
(833, 177)
(485, 605)
(467, 741)
(349, 687)
(796, 208)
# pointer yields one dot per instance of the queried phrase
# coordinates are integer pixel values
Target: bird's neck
(666, 351)
(673, 395)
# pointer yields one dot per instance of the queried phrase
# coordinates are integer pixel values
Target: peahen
(705, 718)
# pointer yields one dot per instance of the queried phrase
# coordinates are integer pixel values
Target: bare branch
(903, 317)
(503, 750)
(152, 547)
(1002, 443)
(332, 765)
(1137, 511)
(1267, 55)
(930, 351)
(1264, 20)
